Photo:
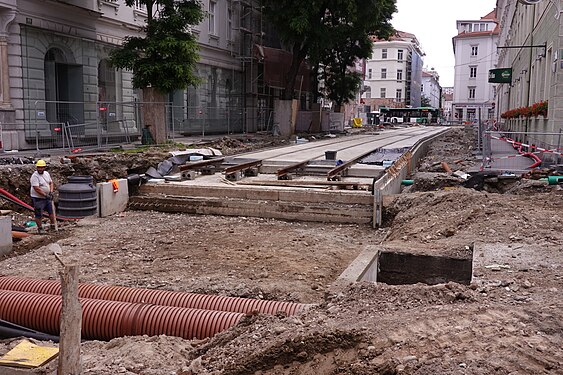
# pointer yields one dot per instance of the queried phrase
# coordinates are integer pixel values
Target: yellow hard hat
(40, 163)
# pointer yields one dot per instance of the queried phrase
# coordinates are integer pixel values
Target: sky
(434, 24)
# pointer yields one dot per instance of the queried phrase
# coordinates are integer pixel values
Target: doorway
(63, 92)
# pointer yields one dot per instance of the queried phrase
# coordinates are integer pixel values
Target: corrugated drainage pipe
(105, 320)
(153, 296)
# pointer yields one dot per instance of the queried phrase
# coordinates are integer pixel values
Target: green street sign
(503, 75)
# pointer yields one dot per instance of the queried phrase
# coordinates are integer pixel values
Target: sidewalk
(504, 157)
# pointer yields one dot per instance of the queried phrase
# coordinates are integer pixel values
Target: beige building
(531, 45)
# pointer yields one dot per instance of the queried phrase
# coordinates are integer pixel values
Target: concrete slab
(110, 202)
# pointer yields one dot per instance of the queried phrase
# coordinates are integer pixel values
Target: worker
(42, 188)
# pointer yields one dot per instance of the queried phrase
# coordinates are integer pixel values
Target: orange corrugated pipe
(105, 320)
(154, 296)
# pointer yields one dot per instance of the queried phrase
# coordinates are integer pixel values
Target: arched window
(63, 88)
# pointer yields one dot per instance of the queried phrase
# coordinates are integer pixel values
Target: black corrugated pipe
(9, 330)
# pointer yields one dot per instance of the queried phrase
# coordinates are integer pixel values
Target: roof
(399, 35)
(491, 16)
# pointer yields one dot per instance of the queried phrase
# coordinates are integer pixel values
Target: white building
(431, 88)
(393, 75)
(475, 50)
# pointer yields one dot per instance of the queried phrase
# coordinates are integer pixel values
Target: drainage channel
(378, 264)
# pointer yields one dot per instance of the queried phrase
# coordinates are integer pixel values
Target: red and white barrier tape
(520, 144)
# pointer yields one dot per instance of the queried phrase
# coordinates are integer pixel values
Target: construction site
(381, 250)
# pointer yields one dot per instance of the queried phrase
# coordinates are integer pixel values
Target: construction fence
(515, 151)
(81, 125)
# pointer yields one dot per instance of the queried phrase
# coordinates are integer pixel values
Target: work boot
(52, 228)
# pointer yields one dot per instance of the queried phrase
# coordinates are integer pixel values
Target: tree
(166, 56)
(163, 60)
(332, 33)
(425, 102)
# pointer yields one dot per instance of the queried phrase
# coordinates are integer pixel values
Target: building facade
(393, 75)
(532, 101)
(447, 102)
(56, 73)
(431, 88)
(475, 50)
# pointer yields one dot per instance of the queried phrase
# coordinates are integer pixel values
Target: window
(369, 73)
(399, 74)
(384, 53)
(471, 92)
(229, 24)
(383, 73)
(474, 50)
(483, 27)
(472, 72)
(368, 93)
(400, 55)
(382, 92)
(399, 94)
(212, 6)
(139, 6)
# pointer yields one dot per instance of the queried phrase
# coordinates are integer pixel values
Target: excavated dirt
(507, 321)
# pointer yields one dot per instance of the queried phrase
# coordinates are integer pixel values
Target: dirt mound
(461, 216)
(455, 148)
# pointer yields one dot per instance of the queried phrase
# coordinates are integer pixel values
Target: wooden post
(71, 323)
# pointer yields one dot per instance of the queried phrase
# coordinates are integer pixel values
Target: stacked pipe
(153, 296)
(105, 320)
(111, 311)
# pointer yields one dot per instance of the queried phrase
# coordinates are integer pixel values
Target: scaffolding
(257, 96)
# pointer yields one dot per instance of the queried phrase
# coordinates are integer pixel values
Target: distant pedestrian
(42, 188)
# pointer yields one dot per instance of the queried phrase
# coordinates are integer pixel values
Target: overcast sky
(434, 24)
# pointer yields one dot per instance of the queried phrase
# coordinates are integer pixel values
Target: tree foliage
(332, 34)
(166, 56)
(425, 101)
